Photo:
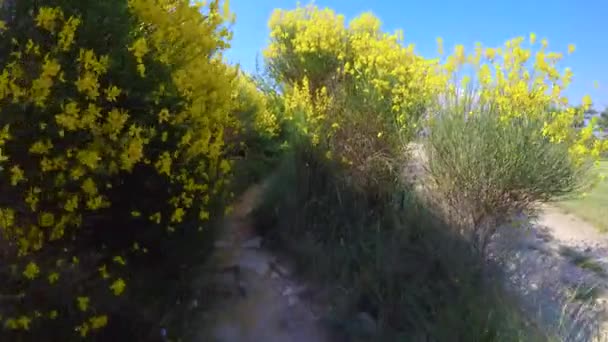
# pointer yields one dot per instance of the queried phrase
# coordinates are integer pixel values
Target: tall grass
(391, 258)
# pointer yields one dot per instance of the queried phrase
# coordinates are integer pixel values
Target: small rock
(255, 261)
(292, 300)
(298, 290)
(274, 275)
(287, 292)
(255, 242)
(194, 304)
(282, 270)
(367, 323)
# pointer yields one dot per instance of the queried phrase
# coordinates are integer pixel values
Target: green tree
(582, 120)
(602, 122)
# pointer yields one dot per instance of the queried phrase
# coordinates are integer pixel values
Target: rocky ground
(258, 296)
(557, 265)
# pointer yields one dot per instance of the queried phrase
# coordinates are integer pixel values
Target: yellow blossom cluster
(361, 91)
(75, 122)
(307, 110)
(359, 65)
(248, 99)
(521, 79)
(316, 44)
(354, 90)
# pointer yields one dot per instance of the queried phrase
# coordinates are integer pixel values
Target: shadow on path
(255, 294)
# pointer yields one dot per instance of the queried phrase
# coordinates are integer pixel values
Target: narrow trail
(572, 230)
(261, 300)
(558, 266)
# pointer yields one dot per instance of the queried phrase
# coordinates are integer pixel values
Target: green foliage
(393, 259)
(260, 131)
(602, 122)
(488, 169)
(113, 116)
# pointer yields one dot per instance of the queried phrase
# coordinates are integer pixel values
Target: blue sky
(461, 22)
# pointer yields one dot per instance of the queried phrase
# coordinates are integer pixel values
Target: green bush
(488, 170)
(261, 134)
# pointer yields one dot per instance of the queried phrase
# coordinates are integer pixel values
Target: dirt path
(261, 299)
(571, 230)
(558, 266)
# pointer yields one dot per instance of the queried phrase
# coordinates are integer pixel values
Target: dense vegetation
(114, 120)
(123, 133)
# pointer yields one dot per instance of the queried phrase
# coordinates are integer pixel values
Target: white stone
(281, 269)
(254, 242)
(254, 261)
(299, 289)
(288, 291)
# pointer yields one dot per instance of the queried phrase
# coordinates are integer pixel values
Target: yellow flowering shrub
(375, 89)
(107, 109)
(521, 78)
(254, 108)
(317, 44)
(359, 90)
